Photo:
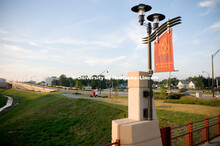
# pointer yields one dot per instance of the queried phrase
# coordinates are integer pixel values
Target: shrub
(175, 95)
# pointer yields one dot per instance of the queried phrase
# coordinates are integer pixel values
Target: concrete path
(9, 103)
(95, 98)
(215, 142)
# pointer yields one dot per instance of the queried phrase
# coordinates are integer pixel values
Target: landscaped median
(53, 119)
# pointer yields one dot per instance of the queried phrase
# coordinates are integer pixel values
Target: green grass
(56, 120)
(52, 119)
(198, 101)
(3, 100)
(172, 118)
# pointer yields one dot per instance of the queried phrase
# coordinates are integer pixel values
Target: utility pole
(212, 56)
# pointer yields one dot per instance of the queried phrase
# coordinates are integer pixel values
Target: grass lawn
(3, 100)
(52, 119)
(197, 101)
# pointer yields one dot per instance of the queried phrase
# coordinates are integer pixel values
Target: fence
(193, 133)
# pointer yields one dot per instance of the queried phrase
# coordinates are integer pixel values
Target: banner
(163, 53)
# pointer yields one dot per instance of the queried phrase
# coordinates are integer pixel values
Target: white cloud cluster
(209, 3)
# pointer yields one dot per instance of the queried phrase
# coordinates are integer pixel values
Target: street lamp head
(141, 9)
(155, 18)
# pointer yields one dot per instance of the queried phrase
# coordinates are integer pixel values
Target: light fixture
(155, 18)
(141, 9)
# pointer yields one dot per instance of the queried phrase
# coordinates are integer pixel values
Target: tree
(71, 82)
(55, 82)
(95, 82)
(63, 80)
(199, 82)
(79, 84)
(163, 91)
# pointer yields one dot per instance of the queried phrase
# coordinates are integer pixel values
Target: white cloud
(15, 48)
(209, 4)
(33, 43)
(215, 26)
(3, 31)
(103, 61)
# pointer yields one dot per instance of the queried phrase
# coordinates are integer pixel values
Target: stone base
(136, 133)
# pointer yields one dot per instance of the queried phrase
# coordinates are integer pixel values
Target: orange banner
(163, 53)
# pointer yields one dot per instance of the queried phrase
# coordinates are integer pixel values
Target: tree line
(95, 82)
(200, 82)
(99, 81)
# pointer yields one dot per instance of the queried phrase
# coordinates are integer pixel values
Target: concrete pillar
(136, 130)
(137, 84)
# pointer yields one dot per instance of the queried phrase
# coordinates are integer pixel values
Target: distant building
(157, 86)
(4, 84)
(124, 85)
(183, 84)
(50, 79)
(2, 80)
(192, 85)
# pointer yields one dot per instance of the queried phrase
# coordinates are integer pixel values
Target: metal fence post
(189, 136)
(217, 126)
(118, 142)
(166, 136)
(205, 131)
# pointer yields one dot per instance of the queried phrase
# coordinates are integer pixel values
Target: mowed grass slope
(53, 119)
(3, 100)
(56, 120)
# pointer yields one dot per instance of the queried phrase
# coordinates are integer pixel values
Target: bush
(156, 95)
(175, 95)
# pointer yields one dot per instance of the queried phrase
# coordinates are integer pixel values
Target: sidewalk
(9, 103)
(215, 142)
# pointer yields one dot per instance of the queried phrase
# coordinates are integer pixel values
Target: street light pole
(155, 18)
(100, 84)
(150, 71)
(212, 56)
(208, 78)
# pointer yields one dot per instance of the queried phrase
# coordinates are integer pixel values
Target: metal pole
(100, 84)
(213, 94)
(150, 72)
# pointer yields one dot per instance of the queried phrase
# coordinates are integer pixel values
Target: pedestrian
(93, 93)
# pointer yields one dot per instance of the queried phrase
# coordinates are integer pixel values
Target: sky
(43, 38)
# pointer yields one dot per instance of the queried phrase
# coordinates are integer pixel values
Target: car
(182, 90)
(218, 95)
(187, 94)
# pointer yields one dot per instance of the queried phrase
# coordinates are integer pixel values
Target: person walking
(93, 93)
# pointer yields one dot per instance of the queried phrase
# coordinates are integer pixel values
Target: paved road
(215, 142)
(9, 103)
(107, 92)
(83, 92)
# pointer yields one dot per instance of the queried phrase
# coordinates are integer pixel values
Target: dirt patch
(189, 108)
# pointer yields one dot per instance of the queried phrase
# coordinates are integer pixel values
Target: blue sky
(41, 38)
